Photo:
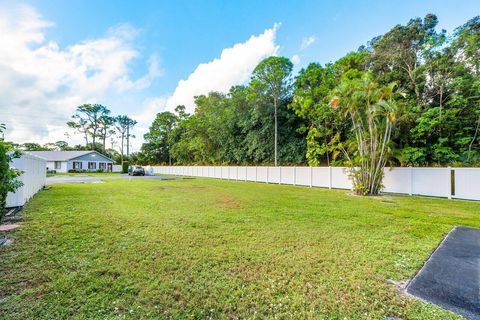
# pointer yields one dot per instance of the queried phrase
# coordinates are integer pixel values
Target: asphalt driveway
(95, 179)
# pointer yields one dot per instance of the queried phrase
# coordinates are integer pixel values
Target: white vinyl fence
(33, 178)
(460, 183)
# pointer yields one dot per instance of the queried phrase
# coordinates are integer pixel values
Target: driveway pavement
(91, 179)
(73, 179)
(451, 277)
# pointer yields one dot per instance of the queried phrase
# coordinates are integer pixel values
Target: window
(58, 165)
(77, 165)
(102, 166)
(92, 165)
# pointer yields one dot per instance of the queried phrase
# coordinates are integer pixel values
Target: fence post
(450, 180)
(256, 174)
(280, 175)
(294, 175)
(410, 192)
(330, 177)
(237, 173)
(267, 175)
(311, 176)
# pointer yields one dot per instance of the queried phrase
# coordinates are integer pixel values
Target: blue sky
(156, 44)
(186, 33)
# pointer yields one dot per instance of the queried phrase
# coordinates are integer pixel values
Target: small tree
(8, 176)
(372, 110)
(273, 78)
(88, 121)
(123, 124)
(106, 129)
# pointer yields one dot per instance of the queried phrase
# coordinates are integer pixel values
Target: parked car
(137, 171)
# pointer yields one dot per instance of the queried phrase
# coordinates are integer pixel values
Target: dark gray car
(137, 171)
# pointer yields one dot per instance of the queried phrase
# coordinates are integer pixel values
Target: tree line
(96, 124)
(424, 83)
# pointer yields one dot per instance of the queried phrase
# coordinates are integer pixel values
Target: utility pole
(275, 105)
(169, 156)
(128, 140)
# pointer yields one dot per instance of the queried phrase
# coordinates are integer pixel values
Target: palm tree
(372, 110)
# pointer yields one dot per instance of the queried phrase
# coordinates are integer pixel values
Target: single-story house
(63, 161)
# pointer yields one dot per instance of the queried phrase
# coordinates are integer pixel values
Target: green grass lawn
(205, 248)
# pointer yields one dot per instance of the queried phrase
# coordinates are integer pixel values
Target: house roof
(61, 155)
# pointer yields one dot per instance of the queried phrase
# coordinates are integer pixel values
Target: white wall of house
(85, 167)
(63, 166)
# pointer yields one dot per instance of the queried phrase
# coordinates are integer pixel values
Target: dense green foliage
(438, 121)
(205, 248)
(8, 175)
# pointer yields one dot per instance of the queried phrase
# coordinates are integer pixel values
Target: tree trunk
(128, 140)
(169, 156)
(474, 138)
(121, 148)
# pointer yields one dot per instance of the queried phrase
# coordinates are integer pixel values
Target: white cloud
(233, 67)
(41, 84)
(295, 59)
(307, 42)
(151, 107)
(145, 117)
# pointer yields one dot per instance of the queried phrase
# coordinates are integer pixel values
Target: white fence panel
(251, 173)
(208, 172)
(467, 183)
(303, 176)
(33, 178)
(232, 173)
(224, 172)
(398, 180)
(217, 172)
(321, 177)
(431, 182)
(340, 178)
(418, 181)
(273, 174)
(262, 174)
(288, 175)
(242, 173)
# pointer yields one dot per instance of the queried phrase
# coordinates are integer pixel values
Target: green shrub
(125, 165)
(8, 176)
